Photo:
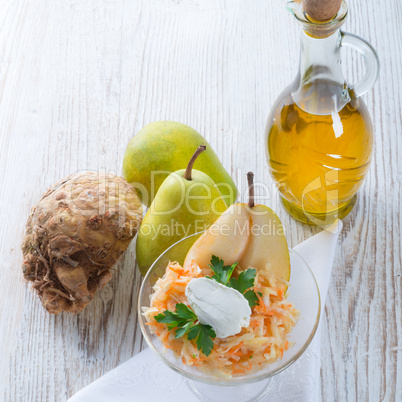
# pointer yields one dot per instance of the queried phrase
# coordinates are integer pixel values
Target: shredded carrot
(235, 348)
(281, 292)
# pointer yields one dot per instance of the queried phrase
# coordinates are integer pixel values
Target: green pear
(187, 202)
(163, 147)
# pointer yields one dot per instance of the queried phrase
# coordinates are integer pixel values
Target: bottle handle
(372, 62)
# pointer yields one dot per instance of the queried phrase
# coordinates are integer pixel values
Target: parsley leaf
(244, 281)
(168, 317)
(185, 312)
(180, 318)
(222, 273)
(183, 318)
(251, 297)
(204, 335)
(183, 330)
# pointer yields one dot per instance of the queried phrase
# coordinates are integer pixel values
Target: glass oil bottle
(319, 134)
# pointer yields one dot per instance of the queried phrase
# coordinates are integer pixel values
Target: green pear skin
(167, 146)
(181, 207)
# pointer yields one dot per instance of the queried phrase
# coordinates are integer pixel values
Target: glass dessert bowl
(303, 293)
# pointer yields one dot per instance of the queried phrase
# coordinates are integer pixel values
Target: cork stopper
(321, 10)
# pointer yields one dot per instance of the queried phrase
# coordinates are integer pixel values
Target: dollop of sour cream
(225, 309)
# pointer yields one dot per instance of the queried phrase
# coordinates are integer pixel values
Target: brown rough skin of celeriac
(74, 236)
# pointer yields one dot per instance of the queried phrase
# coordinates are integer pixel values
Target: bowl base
(239, 393)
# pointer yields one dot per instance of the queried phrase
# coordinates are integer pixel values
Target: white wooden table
(78, 78)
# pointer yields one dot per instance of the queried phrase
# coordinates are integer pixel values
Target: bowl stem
(238, 393)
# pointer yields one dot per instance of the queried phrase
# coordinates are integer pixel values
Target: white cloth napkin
(132, 380)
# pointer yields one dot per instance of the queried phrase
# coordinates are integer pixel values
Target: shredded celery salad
(261, 343)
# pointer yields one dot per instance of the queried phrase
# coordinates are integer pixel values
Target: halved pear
(227, 238)
(249, 234)
(267, 247)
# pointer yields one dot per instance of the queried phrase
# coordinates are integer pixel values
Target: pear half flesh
(251, 235)
(226, 238)
(267, 248)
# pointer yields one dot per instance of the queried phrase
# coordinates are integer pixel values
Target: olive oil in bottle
(319, 134)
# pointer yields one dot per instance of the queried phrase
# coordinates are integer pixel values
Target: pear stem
(250, 179)
(187, 173)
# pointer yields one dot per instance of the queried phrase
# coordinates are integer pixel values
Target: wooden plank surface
(79, 78)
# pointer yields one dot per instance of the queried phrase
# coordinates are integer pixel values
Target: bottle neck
(320, 85)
